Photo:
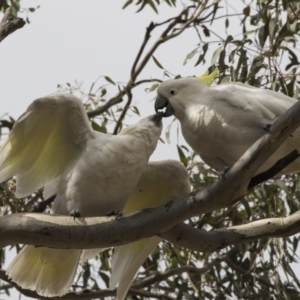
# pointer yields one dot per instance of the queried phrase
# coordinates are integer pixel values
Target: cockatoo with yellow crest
(53, 145)
(221, 122)
(160, 183)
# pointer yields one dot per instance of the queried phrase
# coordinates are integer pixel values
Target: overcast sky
(73, 40)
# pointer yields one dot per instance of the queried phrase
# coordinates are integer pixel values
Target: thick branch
(203, 241)
(64, 232)
(9, 24)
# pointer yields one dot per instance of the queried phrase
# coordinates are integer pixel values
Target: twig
(9, 24)
(113, 101)
(118, 98)
(247, 273)
(147, 81)
(119, 122)
(6, 286)
(40, 207)
(140, 52)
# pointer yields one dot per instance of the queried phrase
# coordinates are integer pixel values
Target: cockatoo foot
(267, 127)
(117, 213)
(75, 213)
(224, 171)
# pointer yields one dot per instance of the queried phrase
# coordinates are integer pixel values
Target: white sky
(68, 41)
(80, 40)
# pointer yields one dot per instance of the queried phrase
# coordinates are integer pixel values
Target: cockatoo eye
(173, 92)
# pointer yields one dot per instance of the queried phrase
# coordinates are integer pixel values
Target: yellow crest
(208, 78)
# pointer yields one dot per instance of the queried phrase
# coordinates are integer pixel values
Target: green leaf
(152, 88)
(127, 3)
(136, 110)
(168, 129)
(202, 55)
(182, 157)
(190, 55)
(150, 2)
(247, 208)
(246, 11)
(109, 80)
(226, 23)
(216, 55)
(157, 62)
(99, 128)
(272, 27)
(206, 31)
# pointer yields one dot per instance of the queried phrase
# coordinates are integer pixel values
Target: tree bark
(9, 24)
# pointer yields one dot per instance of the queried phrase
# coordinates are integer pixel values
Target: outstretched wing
(160, 182)
(44, 140)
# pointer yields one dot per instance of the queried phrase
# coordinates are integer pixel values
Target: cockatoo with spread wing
(160, 183)
(221, 122)
(53, 145)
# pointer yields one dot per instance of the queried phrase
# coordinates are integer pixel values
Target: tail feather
(49, 272)
(126, 261)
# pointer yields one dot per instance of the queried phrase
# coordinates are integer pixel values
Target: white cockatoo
(53, 145)
(221, 122)
(160, 183)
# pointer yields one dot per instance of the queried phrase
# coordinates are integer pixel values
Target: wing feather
(44, 140)
(266, 104)
(159, 183)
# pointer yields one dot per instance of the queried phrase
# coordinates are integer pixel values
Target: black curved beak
(161, 103)
(156, 119)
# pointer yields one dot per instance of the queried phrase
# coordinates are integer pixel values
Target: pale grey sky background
(80, 40)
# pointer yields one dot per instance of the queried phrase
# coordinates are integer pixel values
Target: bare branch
(158, 277)
(248, 274)
(119, 122)
(9, 24)
(118, 98)
(40, 207)
(201, 240)
(113, 101)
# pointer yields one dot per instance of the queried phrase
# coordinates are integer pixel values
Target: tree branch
(9, 24)
(41, 206)
(138, 67)
(64, 232)
(158, 277)
(203, 241)
(119, 122)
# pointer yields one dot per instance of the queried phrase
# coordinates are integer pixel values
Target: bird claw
(75, 213)
(117, 213)
(267, 127)
(224, 171)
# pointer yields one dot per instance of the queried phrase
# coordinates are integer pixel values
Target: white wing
(265, 104)
(221, 122)
(44, 140)
(50, 272)
(160, 182)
